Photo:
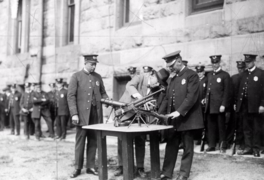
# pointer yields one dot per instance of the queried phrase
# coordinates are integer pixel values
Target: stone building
(44, 39)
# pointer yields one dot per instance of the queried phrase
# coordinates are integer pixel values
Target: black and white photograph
(131, 89)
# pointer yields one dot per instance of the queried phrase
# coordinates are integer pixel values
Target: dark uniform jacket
(61, 102)
(235, 86)
(218, 91)
(39, 105)
(2, 103)
(14, 100)
(255, 92)
(203, 88)
(52, 101)
(82, 89)
(183, 96)
(26, 101)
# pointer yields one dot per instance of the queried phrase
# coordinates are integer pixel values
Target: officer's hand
(43, 99)
(222, 109)
(75, 119)
(235, 107)
(261, 109)
(24, 110)
(31, 109)
(138, 96)
(174, 115)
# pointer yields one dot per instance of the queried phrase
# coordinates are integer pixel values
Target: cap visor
(170, 63)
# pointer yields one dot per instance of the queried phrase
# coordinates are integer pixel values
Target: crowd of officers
(28, 103)
(194, 101)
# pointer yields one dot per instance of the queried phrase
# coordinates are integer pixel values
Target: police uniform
(62, 110)
(85, 91)
(2, 111)
(250, 100)
(41, 109)
(14, 109)
(52, 106)
(235, 122)
(26, 102)
(217, 95)
(182, 95)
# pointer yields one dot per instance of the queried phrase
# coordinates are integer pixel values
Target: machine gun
(122, 109)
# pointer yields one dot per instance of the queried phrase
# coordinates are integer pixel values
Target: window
(19, 27)
(71, 12)
(130, 12)
(201, 5)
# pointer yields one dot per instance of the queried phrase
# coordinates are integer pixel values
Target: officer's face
(177, 66)
(240, 70)
(201, 74)
(37, 88)
(215, 65)
(32, 88)
(250, 64)
(90, 66)
(59, 85)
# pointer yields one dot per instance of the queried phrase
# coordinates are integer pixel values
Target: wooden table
(126, 135)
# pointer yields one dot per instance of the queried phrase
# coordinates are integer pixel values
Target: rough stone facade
(166, 26)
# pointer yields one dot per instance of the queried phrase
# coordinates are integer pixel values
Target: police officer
(14, 109)
(250, 102)
(2, 110)
(52, 103)
(85, 91)
(26, 104)
(183, 106)
(235, 122)
(7, 92)
(217, 103)
(202, 91)
(41, 109)
(62, 109)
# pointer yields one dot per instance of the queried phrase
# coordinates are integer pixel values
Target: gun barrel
(113, 103)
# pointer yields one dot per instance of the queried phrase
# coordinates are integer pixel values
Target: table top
(131, 128)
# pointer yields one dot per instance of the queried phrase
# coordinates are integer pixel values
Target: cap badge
(97, 83)
(256, 78)
(214, 57)
(218, 80)
(183, 81)
(94, 57)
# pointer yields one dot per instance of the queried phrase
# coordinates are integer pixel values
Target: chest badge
(183, 81)
(218, 80)
(97, 83)
(16, 98)
(62, 95)
(1, 99)
(255, 78)
(204, 84)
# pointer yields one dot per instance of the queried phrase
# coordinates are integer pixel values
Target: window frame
(71, 21)
(196, 7)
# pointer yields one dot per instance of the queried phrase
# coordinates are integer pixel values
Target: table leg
(154, 155)
(102, 156)
(127, 156)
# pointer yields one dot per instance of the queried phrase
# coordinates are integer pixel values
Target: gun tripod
(138, 118)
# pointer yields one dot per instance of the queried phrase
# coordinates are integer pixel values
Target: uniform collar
(252, 69)
(216, 71)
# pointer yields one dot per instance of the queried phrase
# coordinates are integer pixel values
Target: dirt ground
(22, 159)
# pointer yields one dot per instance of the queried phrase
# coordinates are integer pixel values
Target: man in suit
(182, 104)
(62, 109)
(7, 92)
(85, 91)
(14, 109)
(52, 103)
(41, 109)
(250, 102)
(2, 109)
(136, 88)
(216, 104)
(26, 104)
(235, 122)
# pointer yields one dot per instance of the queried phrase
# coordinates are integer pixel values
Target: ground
(22, 159)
